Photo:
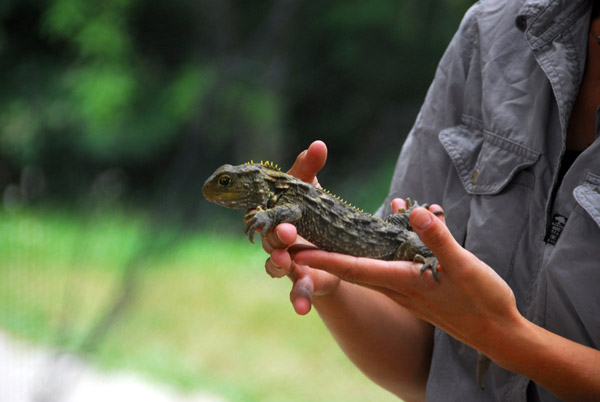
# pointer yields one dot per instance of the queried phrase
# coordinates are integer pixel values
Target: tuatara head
(238, 187)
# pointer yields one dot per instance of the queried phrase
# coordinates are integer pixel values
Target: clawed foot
(428, 262)
(257, 219)
(410, 205)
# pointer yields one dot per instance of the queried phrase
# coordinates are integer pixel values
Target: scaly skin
(326, 221)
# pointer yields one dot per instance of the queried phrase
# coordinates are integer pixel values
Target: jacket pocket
(494, 173)
(484, 161)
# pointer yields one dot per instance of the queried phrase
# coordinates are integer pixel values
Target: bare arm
(385, 341)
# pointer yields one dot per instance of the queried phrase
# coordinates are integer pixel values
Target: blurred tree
(101, 99)
(361, 70)
(143, 85)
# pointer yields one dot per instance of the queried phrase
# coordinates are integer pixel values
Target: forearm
(388, 344)
(569, 370)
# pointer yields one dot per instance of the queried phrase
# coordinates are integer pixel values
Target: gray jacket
(487, 146)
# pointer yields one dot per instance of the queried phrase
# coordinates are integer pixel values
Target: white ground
(31, 374)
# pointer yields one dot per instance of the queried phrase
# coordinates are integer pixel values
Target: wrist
(523, 347)
(566, 368)
(511, 344)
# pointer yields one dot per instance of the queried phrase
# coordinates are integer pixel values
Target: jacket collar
(543, 20)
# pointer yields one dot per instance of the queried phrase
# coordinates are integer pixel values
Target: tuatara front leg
(267, 219)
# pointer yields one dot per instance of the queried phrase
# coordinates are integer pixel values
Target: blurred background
(112, 115)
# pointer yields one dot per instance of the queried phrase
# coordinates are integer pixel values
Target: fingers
(278, 264)
(436, 236)
(364, 271)
(281, 237)
(275, 243)
(302, 290)
(303, 286)
(309, 162)
(397, 204)
(440, 212)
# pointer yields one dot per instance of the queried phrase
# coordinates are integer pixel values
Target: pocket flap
(588, 196)
(485, 162)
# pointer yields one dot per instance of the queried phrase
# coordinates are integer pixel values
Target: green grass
(204, 315)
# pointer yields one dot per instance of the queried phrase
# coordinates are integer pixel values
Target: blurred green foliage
(95, 85)
(128, 105)
(203, 317)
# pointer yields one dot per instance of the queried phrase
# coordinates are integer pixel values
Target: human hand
(470, 301)
(306, 281)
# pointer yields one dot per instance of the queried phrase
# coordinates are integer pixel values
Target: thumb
(436, 236)
(309, 162)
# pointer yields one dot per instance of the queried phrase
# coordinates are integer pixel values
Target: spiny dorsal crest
(266, 164)
(342, 200)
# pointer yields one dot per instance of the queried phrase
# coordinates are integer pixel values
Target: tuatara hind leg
(402, 214)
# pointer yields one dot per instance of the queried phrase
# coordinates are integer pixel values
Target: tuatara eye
(224, 180)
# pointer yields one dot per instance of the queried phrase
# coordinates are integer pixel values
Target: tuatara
(274, 197)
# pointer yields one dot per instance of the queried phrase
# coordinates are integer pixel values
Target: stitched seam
(552, 30)
(472, 32)
(517, 243)
(536, 41)
(592, 179)
(573, 52)
(459, 162)
(555, 83)
(472, 122)
(510, 145)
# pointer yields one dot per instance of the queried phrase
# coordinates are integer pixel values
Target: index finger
(393, 275)
(281, 237)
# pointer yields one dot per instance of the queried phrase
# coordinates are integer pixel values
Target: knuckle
(437, 237)
(350, 273)
(271, 242)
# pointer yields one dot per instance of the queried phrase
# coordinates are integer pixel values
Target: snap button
(475, 176)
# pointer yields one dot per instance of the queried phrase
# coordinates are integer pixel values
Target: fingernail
(273, 264)
(421, 220)
(278, 237)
